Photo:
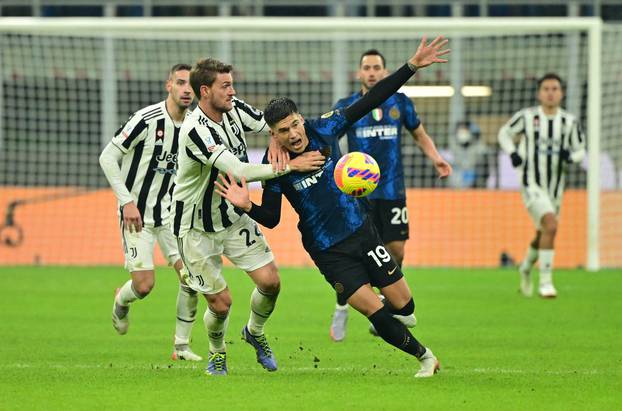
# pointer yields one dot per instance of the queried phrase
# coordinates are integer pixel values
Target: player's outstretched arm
(228, 163)
(425, 55)
(267, 214)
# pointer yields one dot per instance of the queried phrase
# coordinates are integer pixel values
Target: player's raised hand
(278, 156)
(131, 218)
(308, 161)
(236, 193)
(443, 168)
(428, 54)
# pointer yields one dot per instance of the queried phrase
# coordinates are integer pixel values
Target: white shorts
(242, 243)
(538, 203)
(138, 247)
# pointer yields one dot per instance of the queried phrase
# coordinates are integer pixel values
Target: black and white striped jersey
(202, 140)
(542, 140)
(149, 141)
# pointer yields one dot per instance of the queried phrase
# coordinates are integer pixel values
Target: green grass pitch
(498, 351)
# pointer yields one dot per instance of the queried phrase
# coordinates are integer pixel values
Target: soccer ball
(357, 174)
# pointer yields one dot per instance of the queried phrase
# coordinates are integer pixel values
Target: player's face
(220, 94)
(178, 86)
(550, 93)
(290, 132)
(371, 71)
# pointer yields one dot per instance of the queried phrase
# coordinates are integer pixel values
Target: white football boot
(184, 353)
(526, 283)
(338, 325)
(120, 314)
(429, 365)
(547, 290)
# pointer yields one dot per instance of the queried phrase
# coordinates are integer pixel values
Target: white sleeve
(514, 126)
(226, 162)
(131, 133)
(251, 117)
(109, 162)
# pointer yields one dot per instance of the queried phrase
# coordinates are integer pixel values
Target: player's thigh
(381, 268)
(342, 268)
(538, 203)
(201, 254)
(246, 246)
(391, 220)
(168, 244)
(138, 249)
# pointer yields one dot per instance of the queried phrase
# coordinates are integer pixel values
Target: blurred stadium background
(67, 84)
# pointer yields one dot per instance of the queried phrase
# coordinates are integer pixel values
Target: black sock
(395, 333)
(341, 300)
(408, 309)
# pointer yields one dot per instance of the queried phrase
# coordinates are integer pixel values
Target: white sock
(340, 307)
(186, 312)
(530, 259)
(216, 326)
(127, 294)
(262, 305)
(546, 266)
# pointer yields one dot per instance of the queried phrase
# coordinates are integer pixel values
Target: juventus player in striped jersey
(212, 140)
(551, 139)
(147, 146)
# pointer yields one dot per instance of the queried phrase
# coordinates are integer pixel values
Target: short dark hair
(178, 67)
(204, 73)
(550, 76)
(279, 108)
(373, 52)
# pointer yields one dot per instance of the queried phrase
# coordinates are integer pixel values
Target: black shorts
(357, 260)
(391, 219)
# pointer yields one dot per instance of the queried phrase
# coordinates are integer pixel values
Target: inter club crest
(394, 113)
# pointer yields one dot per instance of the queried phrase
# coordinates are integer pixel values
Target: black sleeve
(268, 214)
(378, 94)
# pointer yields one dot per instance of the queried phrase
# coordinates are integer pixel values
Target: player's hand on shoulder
(428, 54)
(516, 159)
(131, 217)
(308, 161)
(278, 156)
(237, 194)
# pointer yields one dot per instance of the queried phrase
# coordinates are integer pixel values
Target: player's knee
(221, 307)
(220, 303)
(144, 287)
(272, 286)
(550, 226)
(269, 282)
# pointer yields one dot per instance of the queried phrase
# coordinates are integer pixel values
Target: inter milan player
(336, 232)
(379, 134)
